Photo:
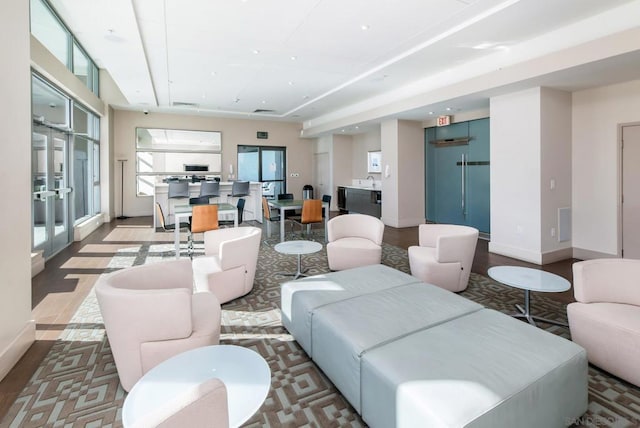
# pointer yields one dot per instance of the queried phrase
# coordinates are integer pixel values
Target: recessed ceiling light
(290, 83)
(213, 73)
(448, 108)
(357, 127)
(343, 130)
(306, 97)
(204, 95)
(293, 57)
(364, 27)
(430, 112)
(256, 51)
(264, 101)
(236, 100)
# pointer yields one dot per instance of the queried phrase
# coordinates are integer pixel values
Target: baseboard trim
(85, 228)
(582, 254)
(37, 263)
(557, 255)
(516, 253)
(16, 349)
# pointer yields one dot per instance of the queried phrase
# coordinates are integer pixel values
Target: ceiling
(323, 61)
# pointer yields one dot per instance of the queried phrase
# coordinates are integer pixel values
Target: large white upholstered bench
(404, 352)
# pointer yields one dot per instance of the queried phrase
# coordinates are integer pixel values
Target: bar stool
(238, 190)
(177, 190)
(210, 189)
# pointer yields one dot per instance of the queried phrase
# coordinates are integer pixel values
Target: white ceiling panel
(306, 59)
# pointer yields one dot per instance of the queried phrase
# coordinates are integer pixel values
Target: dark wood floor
(68, 277)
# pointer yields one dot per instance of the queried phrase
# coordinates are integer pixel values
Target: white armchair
(605, 319)
(150, 313)
(444, 255)
(228, 267)
(354, 240)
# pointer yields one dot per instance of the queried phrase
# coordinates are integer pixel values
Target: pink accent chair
(228, 268)
(605, 320)
(150, 314)
(444, 255)
(354, 240)
(202, 407)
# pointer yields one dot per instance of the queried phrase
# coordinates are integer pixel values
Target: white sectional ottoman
(483, 370)
(405, 353)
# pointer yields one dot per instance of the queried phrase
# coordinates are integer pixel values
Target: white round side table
(298, 248)
(529, 280)
(245, 373)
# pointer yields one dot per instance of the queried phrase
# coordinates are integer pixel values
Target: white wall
(234, 132)
(390, 183)
(555, 165)
(411, 173)
(363, 144)
(596, 116)
(17, 329)
(530, 148)
(403, 190)
(515, 175)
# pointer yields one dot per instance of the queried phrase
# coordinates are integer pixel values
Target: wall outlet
(553, 232)
(294, 174)
(519, 230)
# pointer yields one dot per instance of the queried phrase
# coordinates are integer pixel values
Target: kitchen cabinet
(360, 200)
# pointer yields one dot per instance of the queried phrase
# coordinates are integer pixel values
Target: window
(163, 153)
(266, 164)
(47, 28)
(86, 163)
(56, 37)
(84, 68)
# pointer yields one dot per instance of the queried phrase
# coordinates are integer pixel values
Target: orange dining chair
(203, 218)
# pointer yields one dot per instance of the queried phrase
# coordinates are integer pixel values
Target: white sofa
(150, 313)
(605, 319)
(444, 255)
(228, 267)
(354, 240)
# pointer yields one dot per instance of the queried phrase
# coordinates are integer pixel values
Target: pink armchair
(150, 313)
(354, 240)
(228, 268)
(444, 255)
(605, 320)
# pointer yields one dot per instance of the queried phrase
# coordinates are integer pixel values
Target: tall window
(86, 162)
(265, 164)
(166, 153)
(49, 29)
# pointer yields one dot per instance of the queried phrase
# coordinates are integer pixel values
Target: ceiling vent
(262, 110)
(182, 104)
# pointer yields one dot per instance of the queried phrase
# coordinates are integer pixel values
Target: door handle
(40, 196)
(463, 184)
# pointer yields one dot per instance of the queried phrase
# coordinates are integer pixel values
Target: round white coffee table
(245, 373)
(298, 248)
(529, 280)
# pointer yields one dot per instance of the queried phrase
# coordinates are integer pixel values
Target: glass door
(457, 181)
(51, 191)
(50, 168)
(266, 165)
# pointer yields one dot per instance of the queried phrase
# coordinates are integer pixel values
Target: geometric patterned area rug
(77, 383)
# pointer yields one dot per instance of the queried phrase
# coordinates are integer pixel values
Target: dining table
(284, 205)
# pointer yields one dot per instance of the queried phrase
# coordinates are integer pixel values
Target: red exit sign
(443, 120)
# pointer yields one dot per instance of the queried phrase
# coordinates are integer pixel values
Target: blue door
(457, 178)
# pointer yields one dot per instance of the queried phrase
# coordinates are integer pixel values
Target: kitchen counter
(361, 200)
